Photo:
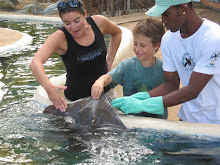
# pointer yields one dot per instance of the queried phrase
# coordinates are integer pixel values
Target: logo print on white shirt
(188, 62)
(213, 59)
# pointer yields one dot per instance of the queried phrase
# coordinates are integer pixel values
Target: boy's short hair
(151, 28)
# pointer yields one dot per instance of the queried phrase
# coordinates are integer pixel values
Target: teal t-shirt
(135, 78)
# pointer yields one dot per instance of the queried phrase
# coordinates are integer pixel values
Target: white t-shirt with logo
(199, 53)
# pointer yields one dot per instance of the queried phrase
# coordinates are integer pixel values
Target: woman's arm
(50, 46)
(108, 27)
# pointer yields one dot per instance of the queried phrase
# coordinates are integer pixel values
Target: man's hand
(128, 105)
(141, 95)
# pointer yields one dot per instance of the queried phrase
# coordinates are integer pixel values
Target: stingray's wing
(90, 112)
(99, 113)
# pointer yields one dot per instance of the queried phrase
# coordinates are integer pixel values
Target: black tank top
(84, 64)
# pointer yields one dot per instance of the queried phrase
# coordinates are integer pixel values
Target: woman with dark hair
(80, 43)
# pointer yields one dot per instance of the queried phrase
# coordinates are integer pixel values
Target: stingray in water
(90, 112)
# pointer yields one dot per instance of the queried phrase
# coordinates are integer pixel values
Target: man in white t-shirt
(191, 52)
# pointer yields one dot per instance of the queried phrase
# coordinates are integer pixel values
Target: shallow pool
(29, 136)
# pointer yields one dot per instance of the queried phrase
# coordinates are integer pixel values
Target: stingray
(90, 112)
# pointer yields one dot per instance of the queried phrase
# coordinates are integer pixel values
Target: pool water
(27, 136)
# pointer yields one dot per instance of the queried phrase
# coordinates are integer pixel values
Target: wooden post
(90, 7)
(35, 7)
(128, 5)
(112, 8)
(102, 8)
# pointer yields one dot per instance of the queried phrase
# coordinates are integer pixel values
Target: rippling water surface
(27, 136)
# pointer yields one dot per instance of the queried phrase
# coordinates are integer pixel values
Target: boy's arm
(100, 83)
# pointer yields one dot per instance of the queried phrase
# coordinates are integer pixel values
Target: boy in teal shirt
(142, 72)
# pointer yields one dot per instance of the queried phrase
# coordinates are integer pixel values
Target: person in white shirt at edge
(191, 52)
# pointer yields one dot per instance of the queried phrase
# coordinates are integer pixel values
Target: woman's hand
(56, 97)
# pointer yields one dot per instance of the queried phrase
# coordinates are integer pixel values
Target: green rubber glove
(119, 101)
(141, 95)
(153, 105)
